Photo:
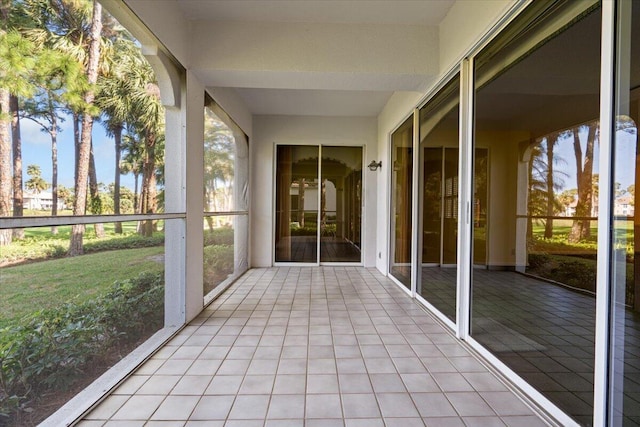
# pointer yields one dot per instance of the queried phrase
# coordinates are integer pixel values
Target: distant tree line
(69, 58)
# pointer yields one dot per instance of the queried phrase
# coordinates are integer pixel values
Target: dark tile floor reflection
(544, 332)
(332, 249)
(439, 288)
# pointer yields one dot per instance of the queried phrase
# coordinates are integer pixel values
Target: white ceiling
(326, 95)
(412, 12)
(314, 102)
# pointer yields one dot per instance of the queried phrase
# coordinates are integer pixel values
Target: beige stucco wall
(466, 22)
(271, 130)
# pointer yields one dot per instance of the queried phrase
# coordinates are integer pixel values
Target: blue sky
(625, 159)
(36, 150)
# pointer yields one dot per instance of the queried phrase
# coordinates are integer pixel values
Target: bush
(48, 247)
(578, 273)
(218, 265)
(304, 231)
(573, 271)
(54, 347)
(537, 261)
(130, 241)
(218, 236)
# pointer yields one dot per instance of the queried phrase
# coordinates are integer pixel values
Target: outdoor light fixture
(373, 166)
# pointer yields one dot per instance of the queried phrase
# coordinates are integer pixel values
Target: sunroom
(408, 178)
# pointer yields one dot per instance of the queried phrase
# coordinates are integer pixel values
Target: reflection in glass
(340, 204)
(225, 249)
(226, 163)
(535, 201)
(480, 206)
(297, 203)
(625, 262)
(67, 320)
(439, 121)
(401, 188)
(226, 171)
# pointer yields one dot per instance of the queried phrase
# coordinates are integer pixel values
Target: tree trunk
(18, 200)
(84, 148)
(148, 199)
(5, 164)
(117, 134)
(301, 188)
(581, 228)
(548, 226)
(77, 122)
(54, 165)
(94, 191)
(136, 201)
(529, 204)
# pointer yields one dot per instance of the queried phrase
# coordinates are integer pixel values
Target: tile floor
(544, 332)
(314, 347)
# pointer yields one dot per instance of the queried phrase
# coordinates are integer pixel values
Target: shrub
(218, 236)
(218, 265)
(538, 260)
(304, 231)
(130, 241)
(48, 247)
(219, 257)
(578, 273)
(54, 347)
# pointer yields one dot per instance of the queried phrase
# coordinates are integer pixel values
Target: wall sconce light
(373, 166)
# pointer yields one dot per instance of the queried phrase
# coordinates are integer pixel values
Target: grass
(559, 243)
(46, 284)
(40, 244)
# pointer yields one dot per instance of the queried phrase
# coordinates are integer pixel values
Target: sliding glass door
(340, 204)
(401, 203)
(318, 204)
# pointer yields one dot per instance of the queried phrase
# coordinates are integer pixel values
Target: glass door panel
(625, 235)
(340, 204)
(536, 116)
(297, 203)
(440, 211)
(432, 210)
(450, 207)
(401, 188)
(439, 124)
(480, 205)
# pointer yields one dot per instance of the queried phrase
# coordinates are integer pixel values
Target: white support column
(175, 167)
(603, 278)
(522, 203)
(465, 199)
(193, 132)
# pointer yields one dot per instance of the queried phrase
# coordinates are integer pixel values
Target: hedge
(54, 347)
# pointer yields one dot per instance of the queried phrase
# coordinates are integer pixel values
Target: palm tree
(114, 100)
(218, 161)
(95, 201)
(84, 149)
(5, 165)
(148, 112)
(43, 108)
(581, 227)
(35, 183)
(75, 28)
(132, 163)
(17, 60)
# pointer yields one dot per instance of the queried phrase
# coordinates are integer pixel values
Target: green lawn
(40, 244)
(45, 284)
(559, 243)
(64, 231)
